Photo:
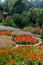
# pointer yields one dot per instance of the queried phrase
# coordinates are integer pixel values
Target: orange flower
(12, 60)
(3, 51)
(32, 56)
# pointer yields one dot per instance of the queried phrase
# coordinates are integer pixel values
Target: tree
(6, 6)
(1, 8)
(42, 35)
(9, 5)
(28, 4)
(17, 20)
(32, 15)
(40, 18)
(18, 7)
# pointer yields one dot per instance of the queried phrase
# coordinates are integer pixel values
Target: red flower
(29, 39)
(5, 33)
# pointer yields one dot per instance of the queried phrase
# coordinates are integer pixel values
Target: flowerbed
(26, 55)
(35, 30)
(5, 32)
(25, 39)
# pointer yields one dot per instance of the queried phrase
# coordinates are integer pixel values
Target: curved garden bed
(26, 40)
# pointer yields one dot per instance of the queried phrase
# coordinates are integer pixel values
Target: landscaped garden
(26, 40)
(20, 49)
(21, 32)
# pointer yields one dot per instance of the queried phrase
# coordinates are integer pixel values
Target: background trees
(19, 7)
(23, 12)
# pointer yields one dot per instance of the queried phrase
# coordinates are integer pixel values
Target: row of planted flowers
(26, 55)
(25, 39)
(22, 39)
(6, 32)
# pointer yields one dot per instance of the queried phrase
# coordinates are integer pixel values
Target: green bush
(17, 19)
(42, 35)
(20, 20)
(1, 18)
(9, 22)
(39, 63)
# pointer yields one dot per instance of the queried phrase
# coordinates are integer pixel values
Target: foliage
(9, 22)
(27, 55)
(18, 7)
(35, 16)
(23, 12)
(1, 8)
(20, 20)
(35, 30)
(1, 18)
(39, 63)
(17, 19)
(42, 35)
(39, 20)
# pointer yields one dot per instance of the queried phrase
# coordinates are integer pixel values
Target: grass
(4, 36)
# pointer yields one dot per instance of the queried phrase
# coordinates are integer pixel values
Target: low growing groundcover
(26, 55)
(6, 41)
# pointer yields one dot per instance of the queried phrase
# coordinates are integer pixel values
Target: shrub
(35, 30)
(18, 20)
(9, 22)
(39, 63)
(1, 18)
(42, 35)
